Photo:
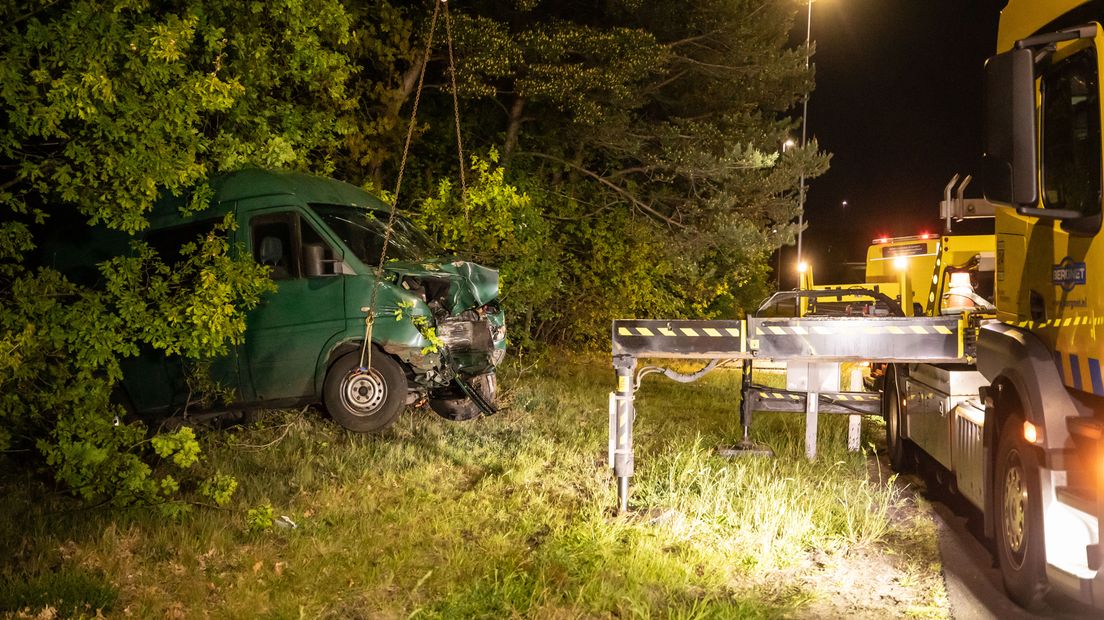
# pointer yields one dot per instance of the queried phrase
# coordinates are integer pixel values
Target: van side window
(292, 247)
(273, 244)
(168, 241)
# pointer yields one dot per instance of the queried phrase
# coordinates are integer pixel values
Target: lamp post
(804, 119)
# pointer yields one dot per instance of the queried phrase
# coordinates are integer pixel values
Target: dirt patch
(902, 576)
(873, 583)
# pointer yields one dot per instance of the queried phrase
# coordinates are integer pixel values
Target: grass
(509, 516)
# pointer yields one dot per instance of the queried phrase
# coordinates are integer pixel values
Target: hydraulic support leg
(622, 413)
(746, 447)
(854, 421)
(745, 405)
(812, 410)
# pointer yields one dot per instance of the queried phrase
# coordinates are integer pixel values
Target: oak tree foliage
(108, 104)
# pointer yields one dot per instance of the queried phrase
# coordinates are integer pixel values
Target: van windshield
(362, 232)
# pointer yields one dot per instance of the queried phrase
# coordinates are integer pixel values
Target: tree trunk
(407, 83)
(514, 128)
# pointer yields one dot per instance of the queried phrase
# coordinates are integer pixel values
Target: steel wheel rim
(363, 392)
(1014, 515)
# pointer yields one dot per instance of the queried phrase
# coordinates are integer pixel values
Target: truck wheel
(898, 448)
(366, 400)
(462, 408)
(1019, 517)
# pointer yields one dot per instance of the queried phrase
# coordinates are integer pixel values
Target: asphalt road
(970, 572)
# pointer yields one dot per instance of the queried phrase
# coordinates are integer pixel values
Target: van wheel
(462, 408)
(1019, 515)
(365, 400)
(898, 448)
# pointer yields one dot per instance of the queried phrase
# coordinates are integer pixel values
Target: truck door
(286, 333)
(1067, 287)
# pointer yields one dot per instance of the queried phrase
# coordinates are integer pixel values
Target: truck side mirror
(1010, 172)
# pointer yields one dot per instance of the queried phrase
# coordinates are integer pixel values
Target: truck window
(1071, 135)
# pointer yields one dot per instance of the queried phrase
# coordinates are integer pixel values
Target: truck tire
(459, 409)
(898, 448)
(367, 400)
(1019, 517)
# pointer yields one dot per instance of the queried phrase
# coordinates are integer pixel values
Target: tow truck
(1005, 393)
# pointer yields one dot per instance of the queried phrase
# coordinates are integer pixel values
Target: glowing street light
(804, 119)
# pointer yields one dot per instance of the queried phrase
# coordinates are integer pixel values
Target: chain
(456, 108)
(366, 347)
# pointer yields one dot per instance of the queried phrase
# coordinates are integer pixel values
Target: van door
(285, 334)
(156, 382)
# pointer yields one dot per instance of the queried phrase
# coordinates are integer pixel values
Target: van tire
(365, 401)
(462, 408)
(1019, 517)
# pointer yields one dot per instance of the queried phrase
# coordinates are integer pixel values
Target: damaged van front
(437, 329)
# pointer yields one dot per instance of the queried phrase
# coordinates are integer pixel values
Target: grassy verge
(502, 517)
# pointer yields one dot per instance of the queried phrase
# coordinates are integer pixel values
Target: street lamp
(804, 118)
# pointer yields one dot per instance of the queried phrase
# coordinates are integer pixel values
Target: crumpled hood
(470, 285)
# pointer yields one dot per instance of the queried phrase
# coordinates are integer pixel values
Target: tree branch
(610, 184)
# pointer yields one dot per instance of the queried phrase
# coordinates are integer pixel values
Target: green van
(438, 335)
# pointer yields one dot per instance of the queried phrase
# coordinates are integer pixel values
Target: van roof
(257, 183)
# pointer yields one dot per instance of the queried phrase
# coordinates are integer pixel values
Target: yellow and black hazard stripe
(644, 338)
(767, 399)
(842, 397)
(674, 332)
(1072, 321)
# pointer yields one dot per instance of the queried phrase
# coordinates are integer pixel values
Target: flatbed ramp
(812, 346)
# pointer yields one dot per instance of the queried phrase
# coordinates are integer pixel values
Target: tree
(648, 134)
(108, 105)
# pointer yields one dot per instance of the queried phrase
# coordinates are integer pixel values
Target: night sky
(898, 103)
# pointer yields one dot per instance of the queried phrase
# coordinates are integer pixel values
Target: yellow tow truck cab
(1020, 433)
(929, 262)
(924, 266)
(1049, 281)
